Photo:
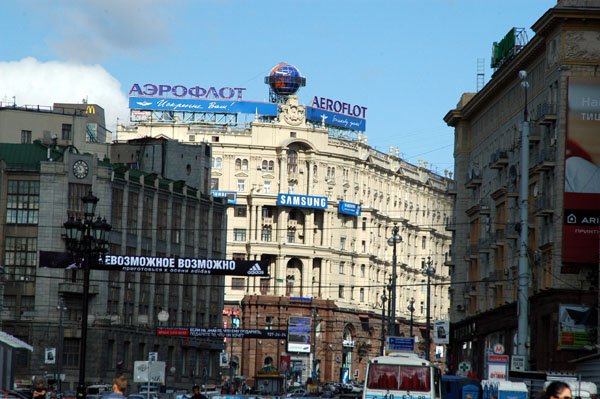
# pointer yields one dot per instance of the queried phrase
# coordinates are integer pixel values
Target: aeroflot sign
(222, 93)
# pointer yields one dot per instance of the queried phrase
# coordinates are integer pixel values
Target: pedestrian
(557, 390)
(119, 387)
(40, 390)
(196, 393)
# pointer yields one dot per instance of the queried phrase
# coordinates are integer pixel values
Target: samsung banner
(299, 330)
(202, 105)
(154, 264)
(302, 201)
(349, 208)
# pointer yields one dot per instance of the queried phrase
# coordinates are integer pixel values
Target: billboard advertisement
(349, 208)
(441, 332)
(202, 105)
(576, 326)
(581, 225)
(302, 201)
(299, 330)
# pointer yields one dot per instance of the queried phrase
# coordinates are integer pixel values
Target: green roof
(28, 156)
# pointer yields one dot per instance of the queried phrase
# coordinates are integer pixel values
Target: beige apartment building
(289, 185)
(561, 104)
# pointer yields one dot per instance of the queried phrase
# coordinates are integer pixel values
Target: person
(119, 387)
(196, 393)
(557, 390)
(40, 391)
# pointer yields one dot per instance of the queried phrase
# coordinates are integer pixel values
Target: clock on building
(80, 169)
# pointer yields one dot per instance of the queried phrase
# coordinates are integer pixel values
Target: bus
(402, 376)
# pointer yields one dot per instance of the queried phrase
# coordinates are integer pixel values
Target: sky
(407, 61)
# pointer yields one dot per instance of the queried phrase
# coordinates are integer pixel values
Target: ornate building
(319, 208)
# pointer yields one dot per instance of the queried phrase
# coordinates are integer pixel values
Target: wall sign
(302, 201)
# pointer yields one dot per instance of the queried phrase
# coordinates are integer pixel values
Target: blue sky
(407, 61)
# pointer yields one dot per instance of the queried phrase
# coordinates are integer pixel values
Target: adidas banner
(222, 332)
(153, 264)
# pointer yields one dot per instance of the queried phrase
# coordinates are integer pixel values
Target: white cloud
(33, 82)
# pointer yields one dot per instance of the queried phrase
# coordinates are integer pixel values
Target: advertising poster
(581, 228)
(299, 329)
(576, 326)
(441, 332)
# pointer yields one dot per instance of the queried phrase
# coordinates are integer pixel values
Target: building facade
(150, 216)
(559, 101)
(319, 209)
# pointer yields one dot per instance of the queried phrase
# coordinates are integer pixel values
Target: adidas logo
(255, 269)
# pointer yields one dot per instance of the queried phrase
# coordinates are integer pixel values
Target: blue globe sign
(285, 79)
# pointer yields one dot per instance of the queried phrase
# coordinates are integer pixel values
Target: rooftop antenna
(480, 73)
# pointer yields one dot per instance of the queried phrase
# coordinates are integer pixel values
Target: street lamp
(60, 307)
(429, 271)
(411, 309)
(383, 299)
(395, 238)
(87, 240)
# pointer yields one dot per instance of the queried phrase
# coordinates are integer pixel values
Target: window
(25, 136)
(424, 242)
(147, 212)
(214, 183)
(363, 246)
(91, 133)
(291, 188)
(422, 285)
(342, 243)
(342, 264)
(215, 139)
(190, 221)
(291, 235)
(362, 270)
(266, 234)
(237, 283)
(161, 220)
(292, 161)
(116, 211)
(66, 131)
(264, 290)
(176, 223)
(241, 185)
(132, 212)
(238, 164)
(341, 291)
(264, 165)
(362, 295)
(192, 137)
(244, 164)
(364, 224)
(271, 166)
(315, 170)
(217, 163)
(267, 212)
(71, 352)
(217, 237)
(203, 230)
(22, 202)
(239, 234)
(20, 258)
(267, 187)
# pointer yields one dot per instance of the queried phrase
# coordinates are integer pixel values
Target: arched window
(217, 163)
(315, 170)
(245, 164)
(264, 166)
(238, 164)
(292, 161)
(271, 166)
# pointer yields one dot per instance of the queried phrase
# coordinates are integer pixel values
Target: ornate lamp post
(395, 238)
(429, 271)
(411, 309)
(383, 299)
(87, 240)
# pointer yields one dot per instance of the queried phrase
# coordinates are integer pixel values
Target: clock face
(80, 169)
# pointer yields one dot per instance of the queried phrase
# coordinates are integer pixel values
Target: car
(69, 395)
(297, 393)
(327, 394)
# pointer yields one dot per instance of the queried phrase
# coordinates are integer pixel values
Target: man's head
(119, 384)
(40, 384)
(196, 389)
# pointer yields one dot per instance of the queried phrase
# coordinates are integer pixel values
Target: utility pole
(523, 277)
(383, 299)
(392, 241)
(429, 271)
(61, 307)
(411, 309)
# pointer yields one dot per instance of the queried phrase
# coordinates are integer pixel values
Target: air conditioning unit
(460, 307)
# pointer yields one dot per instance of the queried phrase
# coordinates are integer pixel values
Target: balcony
(545, 113)
(76, 289)
(512, 231)
(499, 237)
(451, 187)
(484, 207)
(535, 135)
(484, 243)
(451, 224)
(473, 178)
(543, 205)
(498, 159)
(545, 159)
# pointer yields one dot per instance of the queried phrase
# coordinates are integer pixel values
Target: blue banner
(202, 105)
(230, 195)
(302, 201)
(335, 119)
(349, 208)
